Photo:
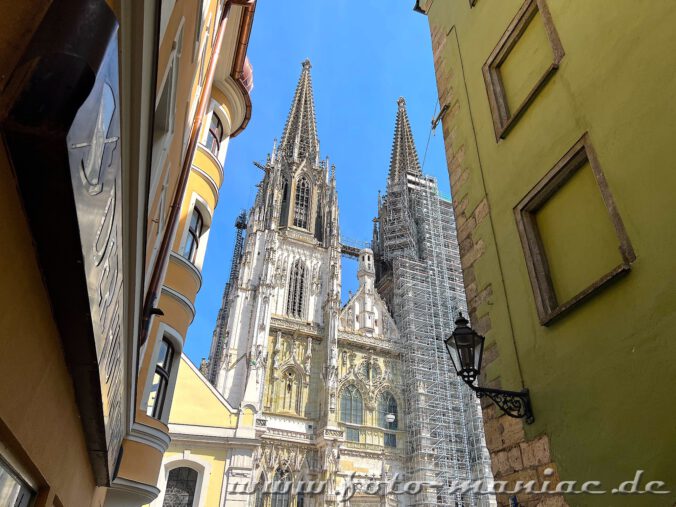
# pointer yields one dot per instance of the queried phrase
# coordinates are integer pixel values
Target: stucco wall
(600, 376)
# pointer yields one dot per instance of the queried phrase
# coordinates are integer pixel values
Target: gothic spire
(404, 156)
(300, 132)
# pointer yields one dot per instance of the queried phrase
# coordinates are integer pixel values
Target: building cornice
(182, 261)
(207, 153)
(143, 491)
(363, 341)
(306, 328)
(181, 299)
(147, 435)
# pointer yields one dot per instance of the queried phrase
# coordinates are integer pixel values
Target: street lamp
(465, 347)
(390, 418)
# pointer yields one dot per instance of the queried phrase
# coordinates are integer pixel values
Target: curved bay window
(296, 297)
(158, 389)
(181, 485)
(301, 212)
(352, 411)
(281, 487)
(194, 233)
(215, 135)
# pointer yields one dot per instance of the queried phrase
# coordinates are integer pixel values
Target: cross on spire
(404, 156)
(299, 140)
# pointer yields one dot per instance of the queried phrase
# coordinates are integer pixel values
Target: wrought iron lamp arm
(513, 403)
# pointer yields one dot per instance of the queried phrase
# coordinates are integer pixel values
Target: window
(194, 233)
(158, 390)
(319, 223)
(390, 440)
(14, 491)
(300, 499)
(351, 411)
(352, 434)
(165, 111)
(301, 216)
(294, 304)
(280, 487)
(284, 214)
(215, 135)
(260, 499)
(387, 404)
(180, 491)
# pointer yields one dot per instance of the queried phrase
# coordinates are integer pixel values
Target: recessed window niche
(525, 58)
(572, 235)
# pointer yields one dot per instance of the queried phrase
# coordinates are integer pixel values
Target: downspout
(160, 267)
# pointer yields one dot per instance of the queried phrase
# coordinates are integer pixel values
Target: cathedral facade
(324, 380)
(306, 401)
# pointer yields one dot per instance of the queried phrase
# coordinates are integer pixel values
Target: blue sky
(364, 56)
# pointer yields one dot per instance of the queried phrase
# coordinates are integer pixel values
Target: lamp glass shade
(465, 347)
(390, 418)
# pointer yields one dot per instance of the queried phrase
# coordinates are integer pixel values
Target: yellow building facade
(111, 164)
(557, 119)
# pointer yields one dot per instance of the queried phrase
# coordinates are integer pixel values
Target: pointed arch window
(352, 411)
(319, 222)
(281, 487)
(181, 485)
(296, 297)
(387, 404)
(301, 213)
(290, 391)
(284, 213)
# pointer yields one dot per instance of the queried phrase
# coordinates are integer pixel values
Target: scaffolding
(218, 338)
(423, 286)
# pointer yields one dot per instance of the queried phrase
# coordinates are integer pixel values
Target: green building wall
(602, 374)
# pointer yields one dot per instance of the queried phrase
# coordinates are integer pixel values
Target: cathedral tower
(419, 276)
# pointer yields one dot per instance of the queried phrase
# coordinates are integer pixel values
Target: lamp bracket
(513, 403)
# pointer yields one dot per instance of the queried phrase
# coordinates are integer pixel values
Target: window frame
(195, 231)
(546, 302)
(390, 440)
(302, 204)
(164, 370)
(281, 499)
(176, 340)
(25, 488)
(383, 410)
(297, 293)
(286, 197)
(215, 135)
(195, 492)
(350, 415)
(352, 434)
(194, 461)
(504, 119)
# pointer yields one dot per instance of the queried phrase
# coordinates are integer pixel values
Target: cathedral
(317, 393)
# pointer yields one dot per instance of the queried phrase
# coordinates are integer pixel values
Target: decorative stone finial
(307, 64)
(401, 102)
